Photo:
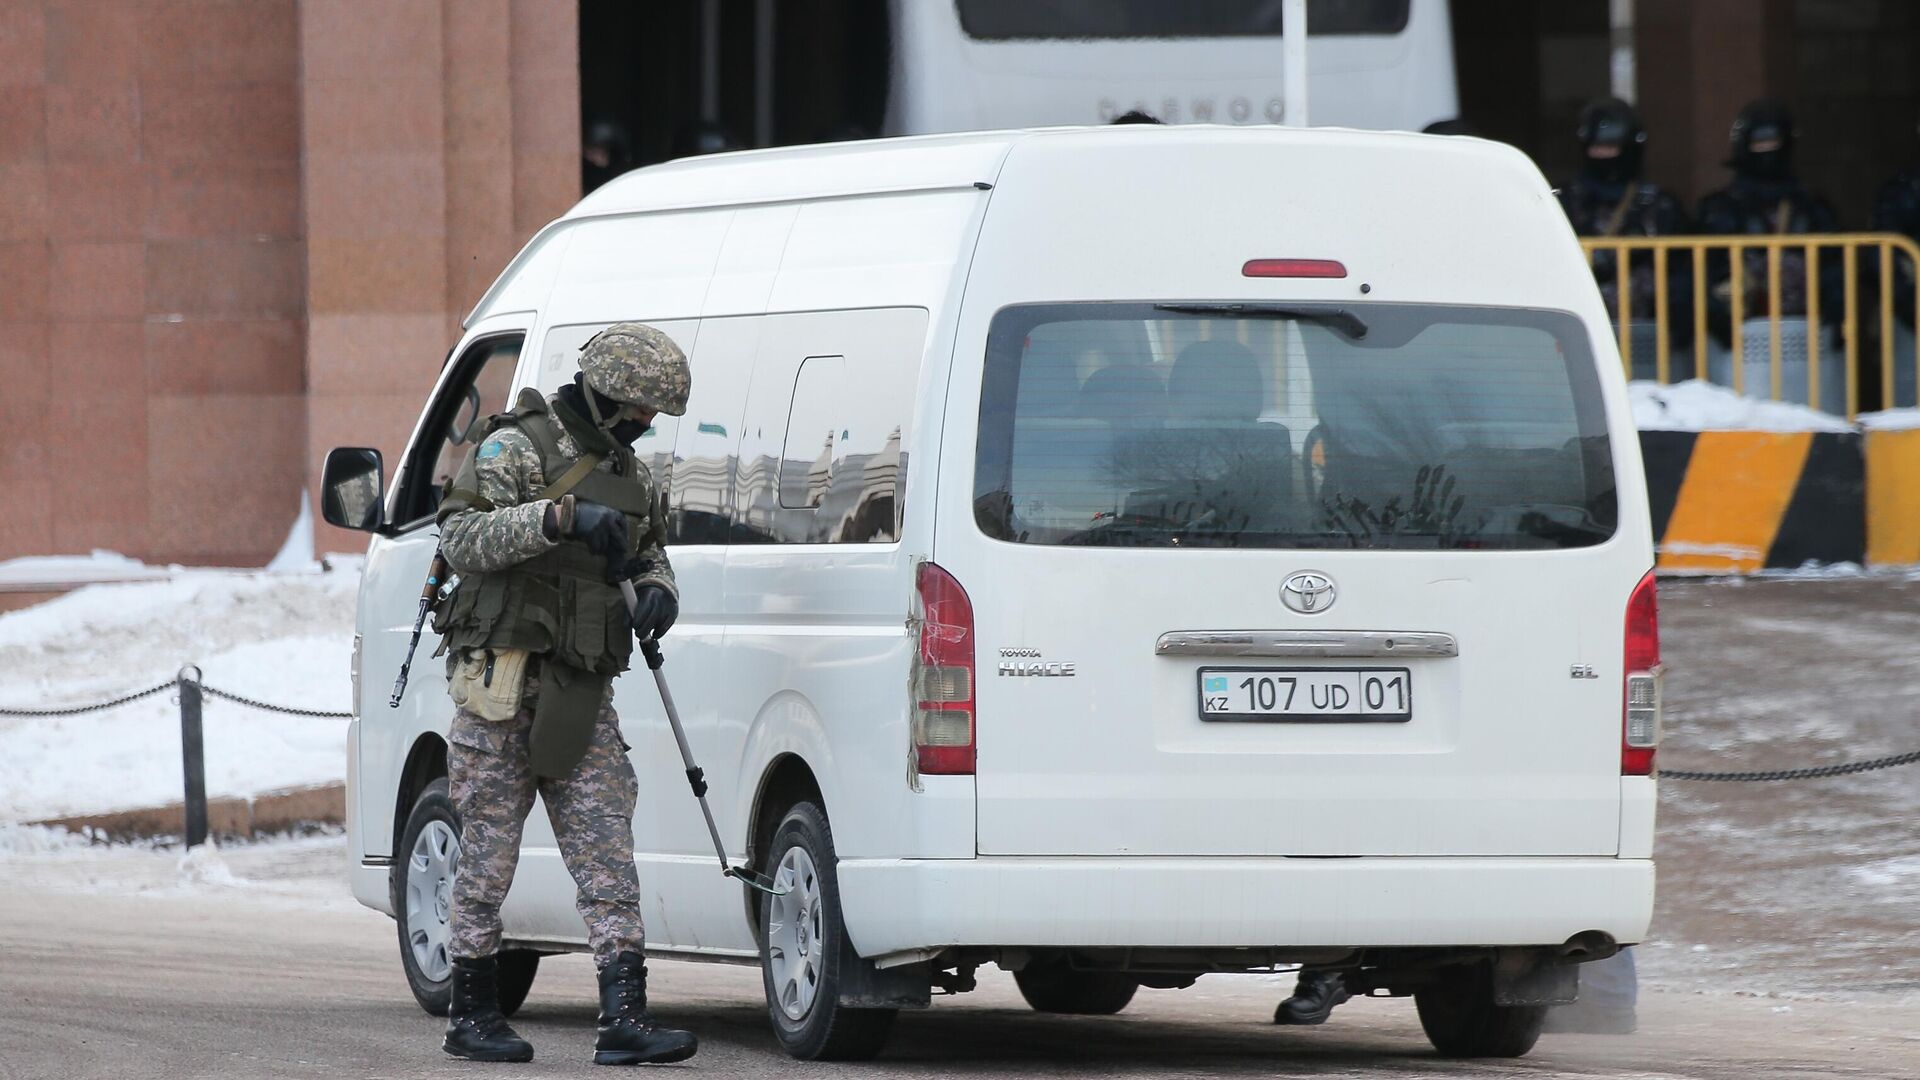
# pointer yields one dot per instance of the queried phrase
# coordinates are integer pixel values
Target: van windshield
(1376, 426)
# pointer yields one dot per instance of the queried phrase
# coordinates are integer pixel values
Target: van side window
(483, 375)
(811, 424)
(821, 459)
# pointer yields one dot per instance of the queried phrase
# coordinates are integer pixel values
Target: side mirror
(351, 484)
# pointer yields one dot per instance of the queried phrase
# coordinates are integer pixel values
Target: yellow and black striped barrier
(1734, 502)
(1893, 497)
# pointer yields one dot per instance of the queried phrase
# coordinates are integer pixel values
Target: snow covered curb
(59, 573)
(254, 816)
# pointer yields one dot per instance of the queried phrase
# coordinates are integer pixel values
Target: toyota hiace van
(1117, 555)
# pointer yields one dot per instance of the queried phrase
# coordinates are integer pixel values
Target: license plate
(1324, 694)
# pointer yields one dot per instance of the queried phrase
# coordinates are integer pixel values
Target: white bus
(976, 64)
(758, 74)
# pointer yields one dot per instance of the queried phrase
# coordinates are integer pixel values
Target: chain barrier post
(193, 756)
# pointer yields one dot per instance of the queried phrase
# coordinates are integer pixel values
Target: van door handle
(1348, 644)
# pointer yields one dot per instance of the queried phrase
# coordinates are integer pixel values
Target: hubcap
(430, 868)
(794, 935)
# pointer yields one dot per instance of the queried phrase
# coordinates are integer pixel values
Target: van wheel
(803, 944)
(1461, 1019)
(1057, 988)
(422, 887)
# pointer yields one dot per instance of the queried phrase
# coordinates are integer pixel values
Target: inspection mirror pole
(1293, 40)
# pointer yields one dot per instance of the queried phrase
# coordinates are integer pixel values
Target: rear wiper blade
(1332, 316)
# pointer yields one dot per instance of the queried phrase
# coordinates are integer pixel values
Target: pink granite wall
(152, 277)
(234, 233)
(440, 135)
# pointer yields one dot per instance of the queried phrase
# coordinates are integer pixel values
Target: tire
(1057, 988)
(1461, 1019)
(803, 945)
(423, 920)
(422, 886)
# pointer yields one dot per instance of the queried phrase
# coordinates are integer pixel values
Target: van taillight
(1293, 268)
(1640, 722)
(943, 678)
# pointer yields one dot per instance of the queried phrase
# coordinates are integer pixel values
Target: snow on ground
(1890, 420)
(302, 871)
(59, 571)
(1696, 405)
(284, 637)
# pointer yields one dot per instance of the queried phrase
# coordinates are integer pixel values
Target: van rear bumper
(893, 905)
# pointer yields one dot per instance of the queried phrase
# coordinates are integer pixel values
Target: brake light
(943, 678)
(1296, 268)
(1640, 720)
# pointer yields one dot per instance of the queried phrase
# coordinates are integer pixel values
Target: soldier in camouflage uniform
(550, 512)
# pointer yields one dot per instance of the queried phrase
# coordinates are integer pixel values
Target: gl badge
(1308, 592)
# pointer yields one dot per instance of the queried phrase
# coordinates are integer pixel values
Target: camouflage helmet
(636, 364)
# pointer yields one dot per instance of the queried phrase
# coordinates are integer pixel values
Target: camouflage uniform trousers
(591, 809)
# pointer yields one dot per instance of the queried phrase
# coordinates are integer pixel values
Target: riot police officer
(1609, 197)
(550, 512)
(1766, 197)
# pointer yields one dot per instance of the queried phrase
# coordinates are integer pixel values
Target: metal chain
(1812, 773)
(76, 710)
(269, 707)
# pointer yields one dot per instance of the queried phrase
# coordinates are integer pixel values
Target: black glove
(633, 566)
(654, 611)
(602, 528)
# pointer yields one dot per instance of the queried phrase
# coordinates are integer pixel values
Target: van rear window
(1254, 425)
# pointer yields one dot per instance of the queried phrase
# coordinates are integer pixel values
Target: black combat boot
(628, 1033)
(1314, 997)
(476, 1029)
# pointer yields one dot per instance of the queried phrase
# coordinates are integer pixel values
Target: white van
(1117, 554)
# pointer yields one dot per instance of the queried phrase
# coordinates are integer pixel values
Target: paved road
(225, 982)
(1785, 943)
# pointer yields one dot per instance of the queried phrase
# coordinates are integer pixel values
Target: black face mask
(1767, 165)
(626, 431)
(586, 401)
(1619, 169)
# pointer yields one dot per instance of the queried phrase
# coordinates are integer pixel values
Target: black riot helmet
(1762, 140)
(1612, 139)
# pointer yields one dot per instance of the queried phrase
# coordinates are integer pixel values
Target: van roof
(967, 159)
(923, 162)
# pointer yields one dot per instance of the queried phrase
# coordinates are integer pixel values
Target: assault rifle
(432, 591)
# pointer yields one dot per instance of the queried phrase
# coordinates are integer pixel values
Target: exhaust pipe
(1587, 945)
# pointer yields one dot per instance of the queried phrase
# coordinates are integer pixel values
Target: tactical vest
(558, 604)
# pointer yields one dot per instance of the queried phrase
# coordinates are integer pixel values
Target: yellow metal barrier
(1695, 250)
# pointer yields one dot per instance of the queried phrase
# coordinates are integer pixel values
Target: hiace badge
(1029, 662)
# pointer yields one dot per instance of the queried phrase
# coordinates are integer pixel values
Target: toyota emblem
(1308, 592)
